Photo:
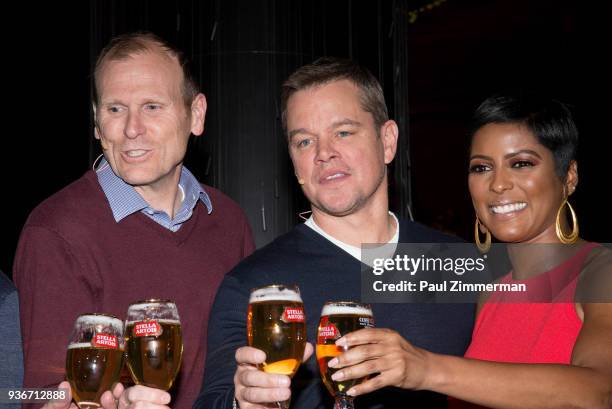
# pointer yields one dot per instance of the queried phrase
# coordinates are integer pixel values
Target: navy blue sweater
(11, 355)
(325, 272)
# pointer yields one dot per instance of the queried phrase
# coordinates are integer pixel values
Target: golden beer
(91, 372)
(337, 320)
(94, 357)
(154, 349)
(281, 334)
(276, 324)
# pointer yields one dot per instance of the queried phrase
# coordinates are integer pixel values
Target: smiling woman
(514, 187)
(522, 168)
(522, 171)
(522, 355)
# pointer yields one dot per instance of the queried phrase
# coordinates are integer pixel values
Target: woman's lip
(507, 208)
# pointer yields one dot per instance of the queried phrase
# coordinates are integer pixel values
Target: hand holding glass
(338, 319)
(276, 325)
(154, 343)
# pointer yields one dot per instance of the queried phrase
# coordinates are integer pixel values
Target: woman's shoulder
(595, 284)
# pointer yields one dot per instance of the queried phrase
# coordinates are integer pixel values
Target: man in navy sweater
(340, 141)
(11, 354)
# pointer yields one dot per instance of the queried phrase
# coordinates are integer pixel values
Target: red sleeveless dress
(509, 329)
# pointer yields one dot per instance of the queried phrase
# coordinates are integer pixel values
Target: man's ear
(198, 114)
(389, 134)
(95, 120)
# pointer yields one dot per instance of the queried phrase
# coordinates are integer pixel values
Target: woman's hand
(383, 352)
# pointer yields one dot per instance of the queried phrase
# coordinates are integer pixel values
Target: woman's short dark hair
(549, 120)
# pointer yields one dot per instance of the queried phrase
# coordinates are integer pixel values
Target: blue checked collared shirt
(124, 200)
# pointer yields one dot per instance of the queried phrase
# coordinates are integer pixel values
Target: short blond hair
(127, 45)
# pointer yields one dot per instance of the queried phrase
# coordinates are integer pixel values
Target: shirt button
(150, 212)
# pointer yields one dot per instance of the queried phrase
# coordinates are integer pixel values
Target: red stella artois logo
(147, 328)
(327, 330)
(293, 314)
(105, 341)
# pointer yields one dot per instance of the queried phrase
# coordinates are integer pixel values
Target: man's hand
(255, 389)
(64, 403)
(138, 396)
(379, 351)
(108, 400)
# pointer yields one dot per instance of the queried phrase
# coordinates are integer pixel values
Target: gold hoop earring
(573, 236)
(483, 247)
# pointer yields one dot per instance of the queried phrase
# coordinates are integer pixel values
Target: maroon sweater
(73, 258)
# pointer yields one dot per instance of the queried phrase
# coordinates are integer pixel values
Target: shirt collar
(124, 200)
(354, 250)
(192, 191)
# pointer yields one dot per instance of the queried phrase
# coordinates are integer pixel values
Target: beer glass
(154, 344)
(276, 324)
(338, 318)
(94, 357)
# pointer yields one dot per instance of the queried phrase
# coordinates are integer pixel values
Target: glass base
(284, 405)
(88, 405)
(344, 402)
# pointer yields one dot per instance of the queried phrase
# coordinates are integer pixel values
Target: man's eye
(152, 107)
(478, 168)
(114, 109)
(344, 134)
(304, 143)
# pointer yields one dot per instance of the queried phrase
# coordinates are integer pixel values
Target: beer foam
(149, 305)
(80, 345)
(274, 294)
(165, 310)
(100, 319)
(161, 321)
(346, 310)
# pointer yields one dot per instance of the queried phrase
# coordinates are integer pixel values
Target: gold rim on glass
(154, 301)
(98, 314)
(349, 303)
(288, 286)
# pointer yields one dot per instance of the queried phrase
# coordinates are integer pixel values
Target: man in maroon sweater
(138, 226)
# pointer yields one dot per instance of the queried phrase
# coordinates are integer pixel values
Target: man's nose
(134, 125)
(326, 150)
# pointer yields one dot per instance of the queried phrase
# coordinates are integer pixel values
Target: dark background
(436, 62)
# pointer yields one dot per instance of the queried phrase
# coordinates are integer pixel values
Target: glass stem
(344, 402)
